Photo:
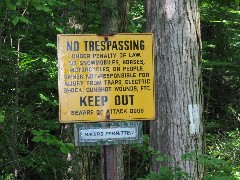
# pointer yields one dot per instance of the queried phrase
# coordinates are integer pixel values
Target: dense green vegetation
(35, 145)
(221, 71)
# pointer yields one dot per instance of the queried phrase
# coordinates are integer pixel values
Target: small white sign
(108, 133)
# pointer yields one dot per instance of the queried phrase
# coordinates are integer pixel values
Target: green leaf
(15, 20)
(59, 29)
(70, 145)
(64, 149)
(189, 155)
(45, 98)
(10, 5)
(51, 45)
(2, 116)
(50, 2)
(37, 139)
(50, 139)
(46, 9)
(25, 20)
(40, 7)
(60, 3)
(160, 159)
(151, 149)
(19, 2)
(27, 61)
(40, 132)
(211, 177)
(44, 60)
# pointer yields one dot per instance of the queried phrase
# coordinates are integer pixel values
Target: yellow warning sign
(106, 78)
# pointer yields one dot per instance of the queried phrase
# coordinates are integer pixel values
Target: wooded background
(34, 145)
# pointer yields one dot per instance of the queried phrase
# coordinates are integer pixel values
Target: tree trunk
(123, 12)
(178, 128)
(114, 19)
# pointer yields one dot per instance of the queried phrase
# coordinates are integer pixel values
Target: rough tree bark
(178, 128)
(123, 12)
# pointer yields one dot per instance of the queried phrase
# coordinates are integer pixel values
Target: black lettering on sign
(92, 45)
(143, 74)
(112, 133)
(99, 112)
(98, 89)
(145, 88)
(133, 68)
(127, 132)
(138, 111)
(72, 46)
(98, 62)
(124, 99)
(93, 133)
(91, 76)
(73, 83)
(117, 75)
(122, 55)
(101, 69)
(72, 63)
(133, 62)
(117, 111)
(81, 69)
(73, 76)
(82, 112)
(104, 55)
(137, 81)
(116, 69)
(94, 83)
(72, 90)
(134, 55)
(126, 88)
(114, 45)
(80, 56)
(112, 82)
(93, 100)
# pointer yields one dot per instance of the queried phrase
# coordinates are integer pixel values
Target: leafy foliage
(221, 168)
(221, 49)
(221, 64)
(44, 137)
(137, 19)
(226, 146)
